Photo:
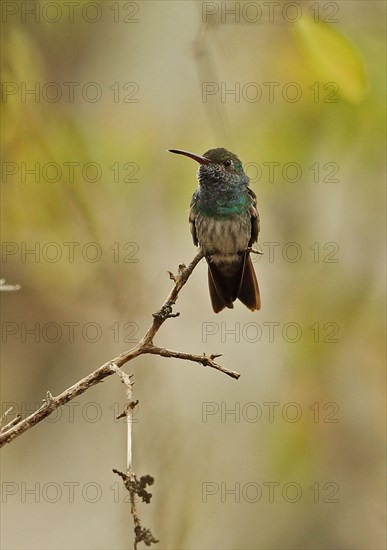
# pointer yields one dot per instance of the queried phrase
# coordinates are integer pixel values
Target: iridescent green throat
(221, 211)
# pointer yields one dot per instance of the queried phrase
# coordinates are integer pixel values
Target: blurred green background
(319, 392)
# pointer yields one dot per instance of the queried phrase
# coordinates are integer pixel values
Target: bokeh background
(292, 454)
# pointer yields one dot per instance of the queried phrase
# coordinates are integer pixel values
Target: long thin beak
(198, 158)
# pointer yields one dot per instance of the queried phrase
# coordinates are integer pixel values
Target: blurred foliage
(332, 58)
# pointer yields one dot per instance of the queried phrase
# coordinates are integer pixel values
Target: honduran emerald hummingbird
(224, 222)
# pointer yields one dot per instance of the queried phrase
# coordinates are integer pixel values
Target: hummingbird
(224, 222)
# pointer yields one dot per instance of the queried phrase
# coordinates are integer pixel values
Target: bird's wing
(192, 216)
(254, 217)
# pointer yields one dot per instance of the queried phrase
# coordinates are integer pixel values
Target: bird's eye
(227, 163)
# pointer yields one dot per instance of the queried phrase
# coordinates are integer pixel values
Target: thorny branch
(146, 345)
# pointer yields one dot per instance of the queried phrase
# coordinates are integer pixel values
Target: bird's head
(217, 166)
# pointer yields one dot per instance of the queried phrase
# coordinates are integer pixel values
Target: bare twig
(4, 287)
(205, 360)
(4, 416)
(51, 403)
(11, 423)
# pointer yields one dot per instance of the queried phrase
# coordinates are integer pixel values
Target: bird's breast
(223, 240)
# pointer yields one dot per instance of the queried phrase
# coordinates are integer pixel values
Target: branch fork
(18, 426)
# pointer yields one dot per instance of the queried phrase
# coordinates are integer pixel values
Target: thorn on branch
(215, 355)
(49, 398)
(172, 276)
